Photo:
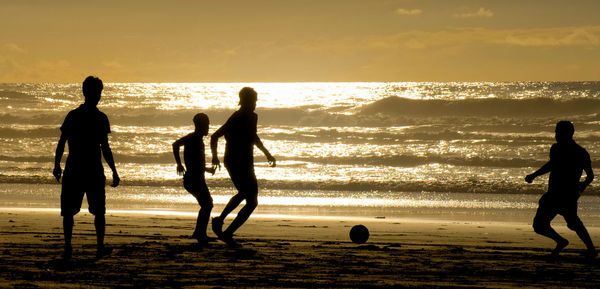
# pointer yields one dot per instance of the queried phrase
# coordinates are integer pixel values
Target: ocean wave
(482, 187)
(10, 94)
(390, 161)
(29, 133)
(398, 106)
(586, 133)
(156, 117)
(33, 118)
(390, 111)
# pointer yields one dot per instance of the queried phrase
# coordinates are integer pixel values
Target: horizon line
(285, 82)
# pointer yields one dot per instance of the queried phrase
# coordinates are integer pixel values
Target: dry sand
(153, 250)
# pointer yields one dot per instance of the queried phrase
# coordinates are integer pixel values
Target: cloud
(588, 36)
(580, 36)
(411, 12)
(481, 13)
(17, 70)
(13, 48)
(112, 64)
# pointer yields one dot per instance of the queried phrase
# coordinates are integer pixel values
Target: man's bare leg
(217, 222)
(242, 216)
(68, 233)
(100, 224)
(576, 225)
(543, 228)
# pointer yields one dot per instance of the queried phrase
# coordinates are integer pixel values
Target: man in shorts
(193, 173)
(240, 135)
(567, 162)
(86, 130)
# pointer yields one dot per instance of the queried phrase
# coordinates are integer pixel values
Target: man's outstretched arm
(262, 147)
(60, 149)
(176, 145)
(108, 156)
(214, 142)
(546, 168)
(588, 179)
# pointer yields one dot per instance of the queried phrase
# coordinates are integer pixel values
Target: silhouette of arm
(108, 156)
(176, 145)
(60, 149)
(214, 142)
(588, 178)
(258, 143)
(546, 168)
(210, 170)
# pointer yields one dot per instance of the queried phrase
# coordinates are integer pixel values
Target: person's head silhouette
(564, 131)
(201, 122)
(248, 98)
(92, 89)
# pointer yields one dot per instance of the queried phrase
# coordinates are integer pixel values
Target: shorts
(73, 189)
(196, 185)
(243, 179)
(552, 205)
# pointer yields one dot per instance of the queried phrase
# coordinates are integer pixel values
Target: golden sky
(299, 40)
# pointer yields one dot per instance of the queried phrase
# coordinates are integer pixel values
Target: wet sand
(154, 250)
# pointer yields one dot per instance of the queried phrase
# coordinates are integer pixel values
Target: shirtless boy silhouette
(86, 130)
(193, 173)
(240, 135)
(567, 162)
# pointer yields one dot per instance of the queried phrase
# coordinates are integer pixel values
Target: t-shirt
(240, 134)
(85, 129)
(567, 163)
(193, 154)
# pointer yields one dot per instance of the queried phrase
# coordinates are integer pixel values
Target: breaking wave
(388, 111)
(397, 106)
(392, 161)
(477, 187)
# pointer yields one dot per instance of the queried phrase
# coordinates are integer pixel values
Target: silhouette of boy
(193, 177)
(567, 162)
(240, 136)
(86, 131)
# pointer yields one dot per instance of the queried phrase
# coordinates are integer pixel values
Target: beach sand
(154, 250)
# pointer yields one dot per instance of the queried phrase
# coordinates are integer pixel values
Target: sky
(299, 40)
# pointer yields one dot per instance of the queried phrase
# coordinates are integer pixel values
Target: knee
(574, 224)
(252, 202)
(539, 226)
(205, 204)
(68, 221)
(209, 205)
(238, 197)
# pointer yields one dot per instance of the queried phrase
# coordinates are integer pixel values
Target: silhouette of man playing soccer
(193, 177)
(240, 135)
(567, 162)
(86, 130)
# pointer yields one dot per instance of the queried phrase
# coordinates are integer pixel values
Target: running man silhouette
(567, 162)
(240, 135)
(193, 173)
(86, 131)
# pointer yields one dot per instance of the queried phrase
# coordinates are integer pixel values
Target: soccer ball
(359, 234)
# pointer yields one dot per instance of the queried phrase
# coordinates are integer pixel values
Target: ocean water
(374, 147)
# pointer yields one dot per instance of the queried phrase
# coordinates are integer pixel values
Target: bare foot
(205, 240)
(559, 247)
(590, 253)
(217, 226)
(103, 251)
(68, 253)
(228, 239)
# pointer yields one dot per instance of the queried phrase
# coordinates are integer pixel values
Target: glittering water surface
(337, 144)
